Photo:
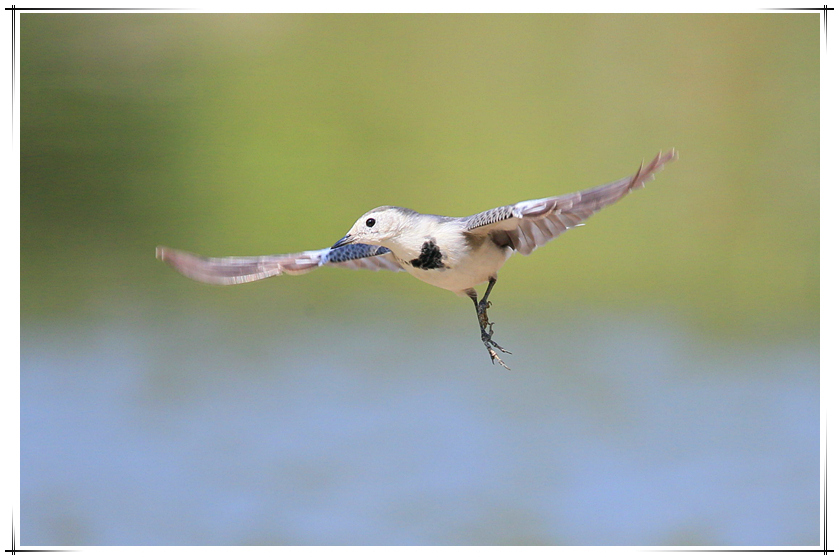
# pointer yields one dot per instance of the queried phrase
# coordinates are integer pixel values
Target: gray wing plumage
(239, 270)
(532, 223)
(360, 256)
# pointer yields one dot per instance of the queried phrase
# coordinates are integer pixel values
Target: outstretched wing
(532, 223)
(238, 270)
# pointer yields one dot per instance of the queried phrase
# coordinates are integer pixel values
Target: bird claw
(486, 338)
(490, 341)
(493, 355)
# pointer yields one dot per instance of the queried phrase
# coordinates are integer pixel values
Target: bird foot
(493, 356)
(486, 338)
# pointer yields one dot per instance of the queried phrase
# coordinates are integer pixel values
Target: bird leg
(486, 327)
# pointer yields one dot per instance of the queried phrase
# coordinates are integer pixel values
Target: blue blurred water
(610, 430)
(295, 413)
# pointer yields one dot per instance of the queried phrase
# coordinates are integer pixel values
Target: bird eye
(371, 222)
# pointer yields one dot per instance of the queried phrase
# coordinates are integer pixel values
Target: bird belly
(464, 270)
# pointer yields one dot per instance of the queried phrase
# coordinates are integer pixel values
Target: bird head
(376, 227)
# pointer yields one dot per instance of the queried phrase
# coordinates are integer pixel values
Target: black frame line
(14, 9)
(824, 9)
(824, 550)
(14, 548)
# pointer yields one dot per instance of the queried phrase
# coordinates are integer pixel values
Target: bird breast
(449, 258)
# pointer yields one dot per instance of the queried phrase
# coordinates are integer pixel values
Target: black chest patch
(430, 257)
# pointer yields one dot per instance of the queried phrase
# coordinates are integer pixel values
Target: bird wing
(532, 223)
(238, 270)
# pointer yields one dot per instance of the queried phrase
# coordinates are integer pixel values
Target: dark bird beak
(346, 240)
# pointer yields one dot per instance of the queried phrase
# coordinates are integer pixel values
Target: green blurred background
(259, 134)
(665, 383)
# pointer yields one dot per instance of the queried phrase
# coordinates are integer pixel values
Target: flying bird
(455, 254)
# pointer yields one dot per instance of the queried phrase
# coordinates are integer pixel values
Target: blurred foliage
(257, 134)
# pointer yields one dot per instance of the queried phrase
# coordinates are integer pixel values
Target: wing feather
(359, 256)
(239, 270)
(532, 223)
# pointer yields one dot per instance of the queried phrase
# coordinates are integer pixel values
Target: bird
(453, 253)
